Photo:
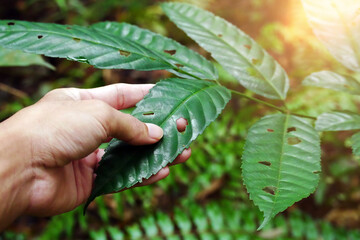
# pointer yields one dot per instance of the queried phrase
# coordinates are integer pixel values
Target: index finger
(119, 96)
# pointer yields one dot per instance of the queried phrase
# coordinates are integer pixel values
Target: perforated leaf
(190, 63)
(197, 101)
(84, 44)
(334, 81)
(281, 163)
(355, 140)
(338, 121)
(337, 24)
(17, 58)
(239, 54)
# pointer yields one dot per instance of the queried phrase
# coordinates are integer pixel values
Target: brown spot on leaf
(40, 36)
(77, 39)
(179, 65)
(255, 61)
(171, 52)
(11, 23)
(270, 130)
(248, 46)
(270, 190)
(293, 140)
(68, 28)
(266, 163)
(124, 53)
(291, 129)
(220, 35)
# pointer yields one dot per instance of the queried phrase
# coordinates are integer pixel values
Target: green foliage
(334, 81)
(17, 58)
(192, 64)
(281, 162)
(239, 54)
(199, 102)
(337, 26)
(338, 121)
(355, 139)
(98, 48)
(224, 220)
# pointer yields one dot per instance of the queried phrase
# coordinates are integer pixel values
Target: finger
(163, 173)
(99, 154)
(125, 127)
(183, 157)
(119, 96)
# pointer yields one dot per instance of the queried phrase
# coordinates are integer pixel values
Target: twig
(13, 91)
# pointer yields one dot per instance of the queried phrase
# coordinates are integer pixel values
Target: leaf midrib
(280, 163)
(236, 50)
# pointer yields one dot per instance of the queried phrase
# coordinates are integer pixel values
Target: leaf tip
(267, 219)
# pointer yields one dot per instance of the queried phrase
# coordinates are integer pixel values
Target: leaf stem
(283, 110)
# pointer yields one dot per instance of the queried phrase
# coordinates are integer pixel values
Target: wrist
(15, 173)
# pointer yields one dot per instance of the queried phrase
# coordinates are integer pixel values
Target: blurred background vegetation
(204, 198)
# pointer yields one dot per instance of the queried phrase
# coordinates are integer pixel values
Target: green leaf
(337, 24)
(281, 162)
(334, 81)
(192, 64)
(239, 54)
(16, 58)
(197, 101)
(84, 44)
(338, 121)
(355, 140)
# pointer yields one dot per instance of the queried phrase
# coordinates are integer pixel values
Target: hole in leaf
(255, 61)
(124, 53)
(270, 130)
(293, 140)
(248, 47)
(179, 65)
(150, 113)
(220, 35)
(40, 36)
(77, 39)
(266, 163)
(181, 124)
(271, 190)
(291, 129)
(171, 52)
(11, 23)
(317, 172)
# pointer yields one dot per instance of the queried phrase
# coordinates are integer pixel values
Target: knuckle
(55, 93)
(61, 94)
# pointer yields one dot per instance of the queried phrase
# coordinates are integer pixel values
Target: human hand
(55, 147)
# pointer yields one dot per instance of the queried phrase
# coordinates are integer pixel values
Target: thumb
(131, 130)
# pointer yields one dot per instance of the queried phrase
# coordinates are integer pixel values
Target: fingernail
(155, 131)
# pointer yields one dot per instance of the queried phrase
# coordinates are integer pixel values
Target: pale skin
(49, 151)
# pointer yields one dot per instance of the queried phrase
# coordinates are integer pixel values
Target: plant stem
(270, 105)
